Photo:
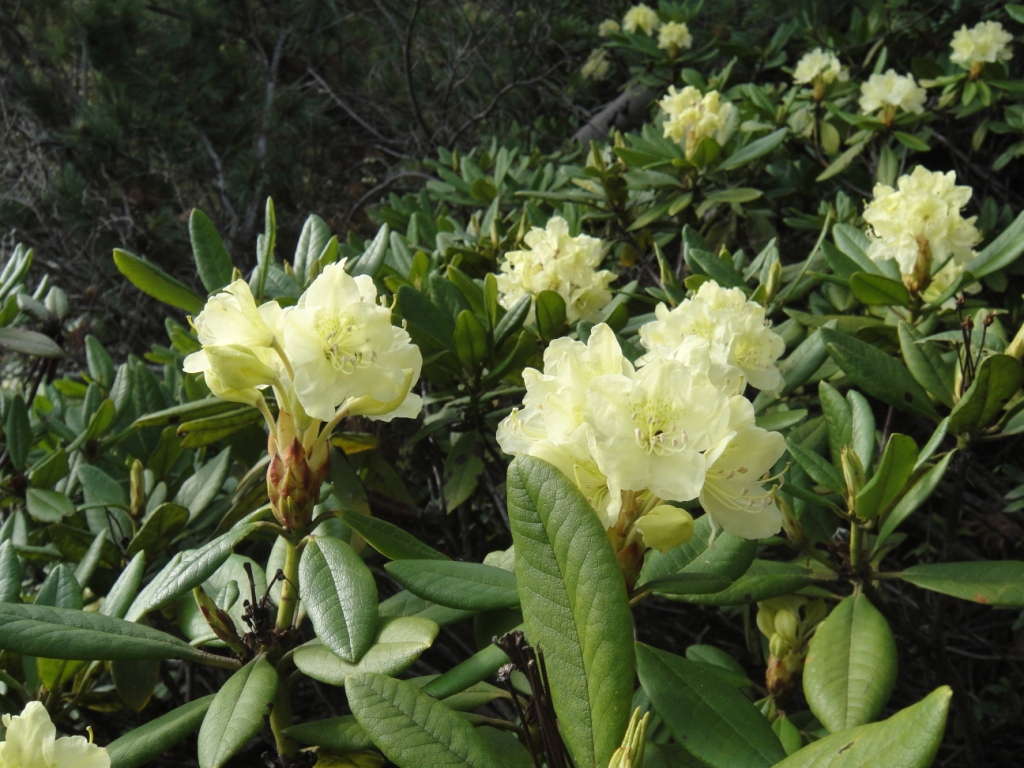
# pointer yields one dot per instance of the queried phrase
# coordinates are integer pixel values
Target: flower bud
(293, 481)
(665, 527)
(853, 473)
(137, 490)
(220, 622)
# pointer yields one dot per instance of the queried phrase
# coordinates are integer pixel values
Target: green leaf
(470, 341)
(877, 290)
(841, 163)
(512, 321)
(120, 597)
(915, 496)
(721, 270)
(997, 379)
(411, 728)
(764, 579)
(212, 260)
(819, 469)
(734, 195)
(462, 468)
(754, 150)
(716, 722)
(204, 484)
(575, 607)
(153, 281)
(135, 681)
(550, 312)
(236, 713)
(388, 539)
(48, 506)
(370, 260)
(877, 373)
(480, 666)
(185, 571)
(898, 461)
(159, 529)
(27, 342)
(925, 363)
(211, 406)
(67, 633)
(212, 429)
(909, 739)
(838, 420)
(340, 596)
(152, 740)
(101, 365)
(726, 557)
(342, 734)
(910, 141)
(467, 586)
(850, 669)
(10, 573)
(313, 239)
(990, 583)
(802, 362)
(854, 245)
(399, 642)
(1001, 252)
(17, 433)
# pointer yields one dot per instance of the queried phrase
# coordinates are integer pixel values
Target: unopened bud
(293, 482)
(631, 753)
(853, 474)
(220, 622)
(137, 490)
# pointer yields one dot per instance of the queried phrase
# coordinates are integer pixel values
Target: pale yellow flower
(32, 743)
(890, 92)
(608, 27)
(985, 43)
(692, 117)
(819, 69)
(641, 18)
(665, 527)
(674, 36)
(597, 65)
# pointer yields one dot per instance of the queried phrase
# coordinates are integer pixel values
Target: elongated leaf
(917, 494)
(153, 281)
(166, 522)
(236, 713)
(17, 433)
(924, 360)
(763, 580)
(716, 722)
(998, 378)
(185, 571)
(470, 341)
(411, 728)
(313, 239)
(876, 290)
(10, 573)
(48, 506)
(399, 642)
(371, 259)
(819, 469)
(1001, 252)
(838, 419)
(28, 342)
(550, 313)
(340, 596)
(120, 597)
(727, 556)
(890, 479)
(854, 244)
(992, 583)
(480, 666)
(388, 539)
(877, 373)
(754, 150)
(909, 739)
(850, 669)
(575, 607)
(67, 633)
(185, 412)
(338, 733)
(212, 260)
(468, 586)
(141, 745)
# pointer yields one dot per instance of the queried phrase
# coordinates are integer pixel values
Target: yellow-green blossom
(608, 27)
(555, 261)
(665, 527)
(919, 225)
(32, 743)
(597, 65)
(692, 117)
(788, 623)
(890, 92)
(641, 18)
(674, 36)
(985, 43)
(819, 66)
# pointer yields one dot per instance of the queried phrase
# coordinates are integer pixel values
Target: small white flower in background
(919, 225)
(641, 18)
(597, 65)
(674, 36)
(985, 43)
(819, 65)
(557, 262)
(608, 27)
(890, 92)
(32, 742)
(742, 348)
(692, 117)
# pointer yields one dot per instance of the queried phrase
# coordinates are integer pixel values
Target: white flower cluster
(741, 348)
(987, 42)
(691, 117)
(819, 68)
(633, 438)
(335, 351)
(919, 225)
(674, 36)
(560, 263)
(890, 92)
(641, 18)
(32, 742)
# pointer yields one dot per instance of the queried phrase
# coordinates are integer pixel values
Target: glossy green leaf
(550, 313)
(135, 681)
(512, 321)
(17, 433)
(817, 467)
(212, 260)
(1001, 252)
(48, 506)
(800, 364)
(411, 728)
(159, 529)
(575, 607)
(998, 582)
(10, 573)
(68, 633)
(838, 419)
(342, 734)
(398, 643)
(925, 363)
(208, 430)
(153, 281)
(177, 414)
(763, 580)
(877, 290)
(997, 379)
(462, 468)
(27, 342)
(313, 239)
(916, 495)
(370, 260)
(754, 150)
(908, 739)
(862, 421)
(842, 162)
(388, 539)
(101, 365)
(853, 243)
(470, 341)
(468, 586)
(877, 373)
(236, 713)
(147, 742)
(716, 722)
(480, 666)
(719, 269)
(850, 668)
(340, 596)
(120, 597)
(894, 470)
